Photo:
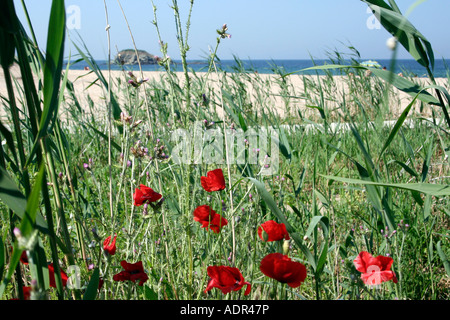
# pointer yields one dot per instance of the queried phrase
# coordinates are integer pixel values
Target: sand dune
(263, 90)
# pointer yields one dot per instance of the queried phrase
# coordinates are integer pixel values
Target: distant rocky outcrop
(129, 57)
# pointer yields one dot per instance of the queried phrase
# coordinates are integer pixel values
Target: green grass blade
(444, 258)
(9, 142)
(116, 110)
(401, 28)
(2, 258)
(276, 211)
(27, 225)
(53, 61)
(52, 70)
(14, 260)
(11, 195)
(270, 202)
(323, 220)
(436, 190)
(400, 83)
(397, 126)
(91, 290)
(15, 200)
(322, 259)
(407, 168)
(31, 211)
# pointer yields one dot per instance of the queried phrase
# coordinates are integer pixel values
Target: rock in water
(130, 57)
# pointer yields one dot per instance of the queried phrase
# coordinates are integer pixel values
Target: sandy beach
(263, 90)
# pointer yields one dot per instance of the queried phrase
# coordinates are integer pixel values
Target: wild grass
(346, 182)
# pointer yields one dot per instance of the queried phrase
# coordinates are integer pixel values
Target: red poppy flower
(214, 181)
(52, 280)
(374, 270)
(144, 194)
(132, 272)
(100, 283)
(281, 268)
(226, 279)
(209, 218)
(110, 246)
(26, 293)
(274, 231)
(24, 257)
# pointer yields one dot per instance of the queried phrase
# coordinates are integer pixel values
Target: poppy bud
(285, 247)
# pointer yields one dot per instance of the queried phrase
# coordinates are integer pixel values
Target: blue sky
(260, 29)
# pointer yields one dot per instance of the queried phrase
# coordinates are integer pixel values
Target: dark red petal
(138, 197)
(122, 276)
(214, 181)
(26, 293)
(248, 289)
(385, 262)
(291, 272)
(24, 257)
(283, 269)
(145, 194)
(205, 184)
(362, 261)
(275, 231)
(142, 277)
(217, 223)
(52, 280)
(217, 179)
(267, 264)
(226, 279)
(109, 246)
(149, 194)
(203, 213)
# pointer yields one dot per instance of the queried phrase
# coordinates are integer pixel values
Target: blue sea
(407, 67)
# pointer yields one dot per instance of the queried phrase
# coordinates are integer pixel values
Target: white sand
(262, 89)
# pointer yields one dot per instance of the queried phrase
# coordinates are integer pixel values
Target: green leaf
(322, 258)
(401, 28)
(52, 70)
(407, 168)
(7, 43)
(31, 211)
(91, 290)
(242, 122)
(27, 225)
(11, 195)
(9, 142)
(2, 258)
(15, 200)
(427, 208)
(436, 190)
(150, 294)
(444, 258)
(271, 203)
(14, 260)
(323, 220)
(398, 125)
(299, 242)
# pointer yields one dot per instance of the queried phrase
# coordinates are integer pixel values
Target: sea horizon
(409, 67)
